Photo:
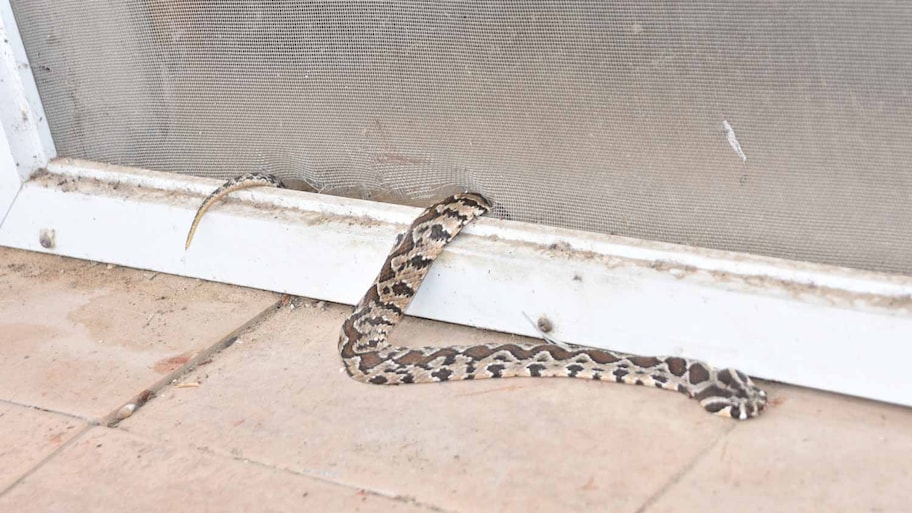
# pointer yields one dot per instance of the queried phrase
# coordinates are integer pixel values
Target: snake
(369, 357)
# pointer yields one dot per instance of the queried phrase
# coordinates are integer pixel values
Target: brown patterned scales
(370, 358)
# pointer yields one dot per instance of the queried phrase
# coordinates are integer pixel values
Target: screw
(47, 239)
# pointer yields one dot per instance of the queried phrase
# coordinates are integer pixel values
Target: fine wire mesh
(597, 116)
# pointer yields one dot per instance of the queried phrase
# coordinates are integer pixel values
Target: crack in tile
(85, 429)
(684, 471)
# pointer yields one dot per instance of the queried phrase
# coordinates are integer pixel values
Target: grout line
(147, 395)
(684, 470)
(89, 420)
(405, 499)
(79, 434)
(138, 401)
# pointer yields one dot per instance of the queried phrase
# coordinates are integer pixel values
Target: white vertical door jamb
(10, 183)
(26, 144)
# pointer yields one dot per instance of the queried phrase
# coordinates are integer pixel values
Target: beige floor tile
(107, 470)
(817, 452)
(82, 338)
(28, 436)
(279, 397)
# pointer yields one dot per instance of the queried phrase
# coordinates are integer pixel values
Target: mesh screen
(599, 116)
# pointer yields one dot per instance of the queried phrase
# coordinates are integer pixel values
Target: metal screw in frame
(47, 238)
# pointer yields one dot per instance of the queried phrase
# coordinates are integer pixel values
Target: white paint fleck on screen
(732, 140)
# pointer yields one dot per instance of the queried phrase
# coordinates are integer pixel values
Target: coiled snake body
(370, 358)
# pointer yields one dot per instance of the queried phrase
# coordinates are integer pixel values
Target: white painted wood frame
(25, 139)
(814, 325)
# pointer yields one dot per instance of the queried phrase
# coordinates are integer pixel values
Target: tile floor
(248, 410)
